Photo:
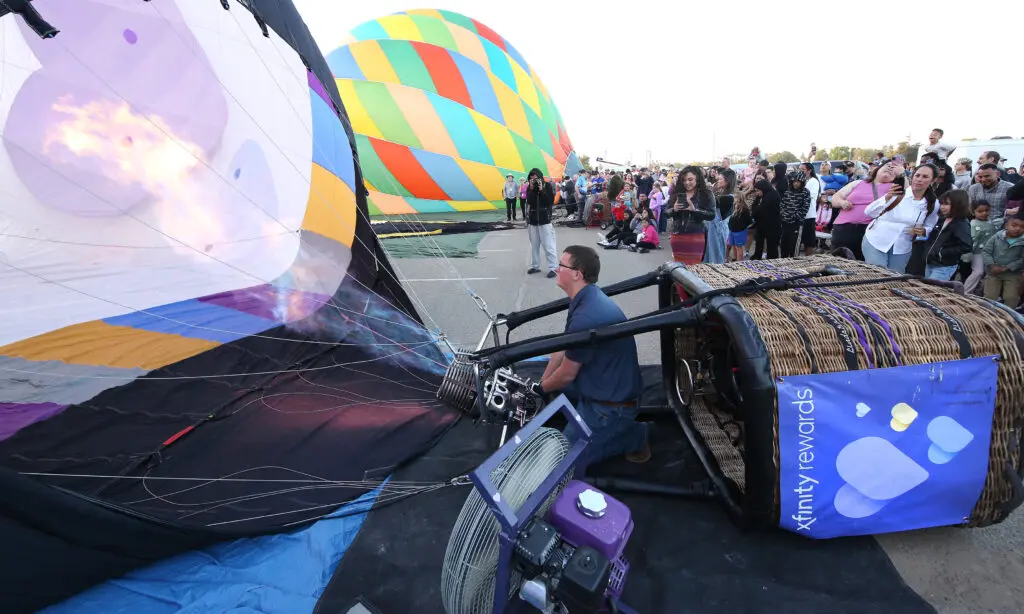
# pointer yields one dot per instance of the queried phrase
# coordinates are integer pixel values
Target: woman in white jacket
(900, 219)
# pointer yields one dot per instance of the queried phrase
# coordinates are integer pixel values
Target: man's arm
(553, 363)
(562, 376)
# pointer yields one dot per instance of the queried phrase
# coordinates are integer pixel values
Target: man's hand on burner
(536, 390)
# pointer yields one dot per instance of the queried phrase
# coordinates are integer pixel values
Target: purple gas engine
(586, 516)
(562, 550)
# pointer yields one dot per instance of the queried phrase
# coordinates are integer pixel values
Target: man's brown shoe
(640, 456)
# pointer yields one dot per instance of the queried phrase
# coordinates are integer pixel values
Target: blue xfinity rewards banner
(884, 450)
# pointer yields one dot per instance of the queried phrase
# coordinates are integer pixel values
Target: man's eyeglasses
(566, 266)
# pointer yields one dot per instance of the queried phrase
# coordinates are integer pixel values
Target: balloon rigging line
(401, 366)
(424, 404)
(295, 111)
(286, 157)
(325, 481)
(197, 326)
(262, 399)
(320, 483)
(395, 382)
(297, 511)
(349, 402)
(127, 102)
(458, 481)
(313, 299)
(390, 490)
(209, 328)
(392, 259)
(212, 376)
(218, 503)
(397, 489)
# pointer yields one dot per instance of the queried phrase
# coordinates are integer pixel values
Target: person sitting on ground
(602, 380)
(647, 238)
(627, 236)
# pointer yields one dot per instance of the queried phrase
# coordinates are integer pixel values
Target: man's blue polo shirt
(610, 370)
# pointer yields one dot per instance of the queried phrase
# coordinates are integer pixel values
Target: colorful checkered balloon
(443, 109)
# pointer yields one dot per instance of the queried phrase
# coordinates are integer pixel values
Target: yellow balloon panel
(436, 97)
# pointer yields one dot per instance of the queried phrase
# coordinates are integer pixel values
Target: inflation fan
(530, 537)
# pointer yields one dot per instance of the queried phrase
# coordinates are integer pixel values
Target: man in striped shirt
(989, 187)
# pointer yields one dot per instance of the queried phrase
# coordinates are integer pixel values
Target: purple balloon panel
(125, 106)
(271, 302)
(16, 416)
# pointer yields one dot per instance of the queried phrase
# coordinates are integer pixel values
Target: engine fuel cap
(591, 503)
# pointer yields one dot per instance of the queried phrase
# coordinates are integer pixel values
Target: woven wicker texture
(897, 330)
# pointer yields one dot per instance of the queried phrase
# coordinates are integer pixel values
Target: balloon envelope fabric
(443, 109)
(193, 294)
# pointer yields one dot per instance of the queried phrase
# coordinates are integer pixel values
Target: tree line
(838, 152)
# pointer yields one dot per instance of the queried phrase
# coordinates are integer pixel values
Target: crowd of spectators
(948, 222)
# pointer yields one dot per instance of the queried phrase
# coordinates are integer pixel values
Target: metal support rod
(518, 318)
(499, 357)
(483, 338)
(698, 491)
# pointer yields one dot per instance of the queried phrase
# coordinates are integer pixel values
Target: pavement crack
(520, 296)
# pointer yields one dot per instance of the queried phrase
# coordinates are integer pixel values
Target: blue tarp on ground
(283, 573)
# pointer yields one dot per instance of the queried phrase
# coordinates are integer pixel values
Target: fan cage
(469, 573)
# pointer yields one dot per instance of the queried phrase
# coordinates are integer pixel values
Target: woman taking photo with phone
(691, 204)
(849, 226)
(900, 218)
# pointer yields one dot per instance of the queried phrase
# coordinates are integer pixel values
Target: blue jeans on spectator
(614, 429)
(941, 273)
(891, 261)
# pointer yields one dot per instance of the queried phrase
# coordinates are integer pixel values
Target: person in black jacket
(540, 198)
(951, 237)
(691, 204)
(767, 220)
(779, 180)
(795, 203)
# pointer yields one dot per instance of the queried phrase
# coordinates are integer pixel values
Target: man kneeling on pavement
(602, 380)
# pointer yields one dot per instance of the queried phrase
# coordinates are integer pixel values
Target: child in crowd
(648, 238)
(1004, 259)
(796, 201)
(739, 222)
(610, 240)
(626, 236)
(951, 237)
(657, 198)
(972, 265)
(642, 204)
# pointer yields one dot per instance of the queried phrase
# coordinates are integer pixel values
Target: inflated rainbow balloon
(443, 109)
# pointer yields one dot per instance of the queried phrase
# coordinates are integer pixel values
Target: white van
(1010, 149)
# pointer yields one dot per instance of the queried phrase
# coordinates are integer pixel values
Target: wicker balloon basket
(726, 373)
